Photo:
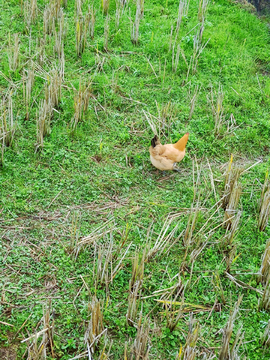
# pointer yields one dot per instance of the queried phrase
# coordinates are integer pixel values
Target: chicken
(165, 157)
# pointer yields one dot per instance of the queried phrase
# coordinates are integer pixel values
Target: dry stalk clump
(227, 352)
(8, 124)
(81, 30)
(118, 12)
(232, 192)
(198, 47)
(218, 287)
(189, 350)
(52, 16)
(74, 231)
(59, 35)
(135, 285)
(231, 176)
(140, 348)
(264, 204)
(182, 11)
(227, 243)
(29, 11)
(53, 88)
(133, 303)
(91, 20)
(95, 328)
(265, 300)
(172, 315)
(98, 233)
(106, 33)
(48, 21)
(81, 102)
(266, 336)
(47, 106)
(264, 271)
(202, 10)
(233, 203)
(40, 350)
(193, 101)
(162, 240)
(13, 52)
(137, 269)
(105, 6)
(192, 219)
(107, 263)
(165, 118)
(28, 82)
(216, 103)
(170, 296)
(40, 50)
(135, 26)
(230, 232)
(43, 122)
(56, 9)
(175, 58)
(162, 123)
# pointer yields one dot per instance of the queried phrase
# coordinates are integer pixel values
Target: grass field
(103, 256)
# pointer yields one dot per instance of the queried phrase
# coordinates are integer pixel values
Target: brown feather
(181, 144)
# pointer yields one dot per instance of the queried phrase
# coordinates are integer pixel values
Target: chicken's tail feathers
(155, 141)
(181, 144)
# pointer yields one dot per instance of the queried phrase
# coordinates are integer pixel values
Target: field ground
(97, 246)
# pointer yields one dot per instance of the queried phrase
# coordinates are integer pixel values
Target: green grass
(102, 171)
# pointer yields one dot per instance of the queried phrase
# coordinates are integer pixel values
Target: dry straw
(135, 26)
(264, 271)
(106, 33)
(266, 336)
(40, 349)
(91, 20)
(30, 11)
(95, 328)
(105, 6)
(228, 351)
(28, 82)
(163, 239)
(189, 350)
(137, 268)
(202, 10)
(7, 125)
(140, 348)
(216, 103)
(264, 303)
(264, 204)
(81, 102)
(133, 303)
(13, 52)
(232, 192)
(48, 106)
(59, 35)
(193, 101)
